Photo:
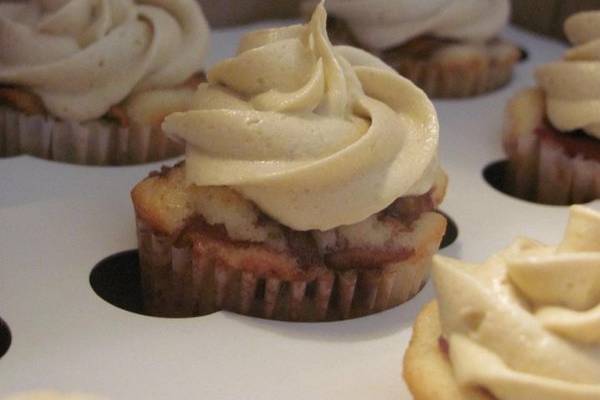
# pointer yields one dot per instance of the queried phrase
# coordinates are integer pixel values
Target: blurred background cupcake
(542, 16)
(90, 82)
(448, 48)
(552, 131)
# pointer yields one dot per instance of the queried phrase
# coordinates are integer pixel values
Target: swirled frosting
(383, 24)
(317, 136)
(526, 324)
(572, 86)
(84, 56)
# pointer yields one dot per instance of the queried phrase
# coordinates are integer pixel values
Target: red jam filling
(576, 143)
(444, 346)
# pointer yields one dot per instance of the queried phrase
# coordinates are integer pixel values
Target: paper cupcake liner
(94, 142)
(543, 172)
(451, 80)
(177, 284)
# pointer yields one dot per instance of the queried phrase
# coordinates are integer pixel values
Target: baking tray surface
(58, 221)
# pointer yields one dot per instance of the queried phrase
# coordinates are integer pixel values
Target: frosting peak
(84, 56)
(526, 324)
(572, 85)
(317, 136)
(382, 24)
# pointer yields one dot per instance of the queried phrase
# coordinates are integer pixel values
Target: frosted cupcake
(308, 190)
(90, 82)
(449, 48)
(524, 325)
(552, 131)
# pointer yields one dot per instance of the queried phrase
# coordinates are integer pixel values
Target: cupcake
(524, 325)
(90, 82)
(552, 131)
(308, 189)
(448, 48)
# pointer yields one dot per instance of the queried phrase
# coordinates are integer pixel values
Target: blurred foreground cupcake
(449, 48)
(308, 190)
(89, 82)
(552, 131)
(524, 325)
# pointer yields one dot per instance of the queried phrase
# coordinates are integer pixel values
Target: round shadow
(5, 338)
(451, 233)
(116, 279)
(524, 54)
(495, 174)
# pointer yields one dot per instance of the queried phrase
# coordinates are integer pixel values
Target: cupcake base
(96, 142)
(543, 166)
(427, 370)
(444, 68)
(180, 280)
(459, 70)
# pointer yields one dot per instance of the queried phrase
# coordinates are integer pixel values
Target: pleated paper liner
(541, 171)
(454, 77)
(96, 142)
(176, 282)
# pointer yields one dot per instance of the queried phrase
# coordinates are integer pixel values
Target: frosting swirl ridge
(84, 56)
(572, 85)
(382, 24)
(526, 324)
(317, 136)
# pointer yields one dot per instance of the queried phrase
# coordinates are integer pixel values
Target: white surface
(57, 221)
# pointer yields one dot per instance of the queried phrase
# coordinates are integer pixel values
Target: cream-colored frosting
(572, 85)
(84, 56)
(317, 136)
(526, 324)
(382, 24)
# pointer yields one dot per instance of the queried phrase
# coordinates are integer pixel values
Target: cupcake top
(316, 136)
(382, 24)
(84, 56)
(572, 85)
(526, 324)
